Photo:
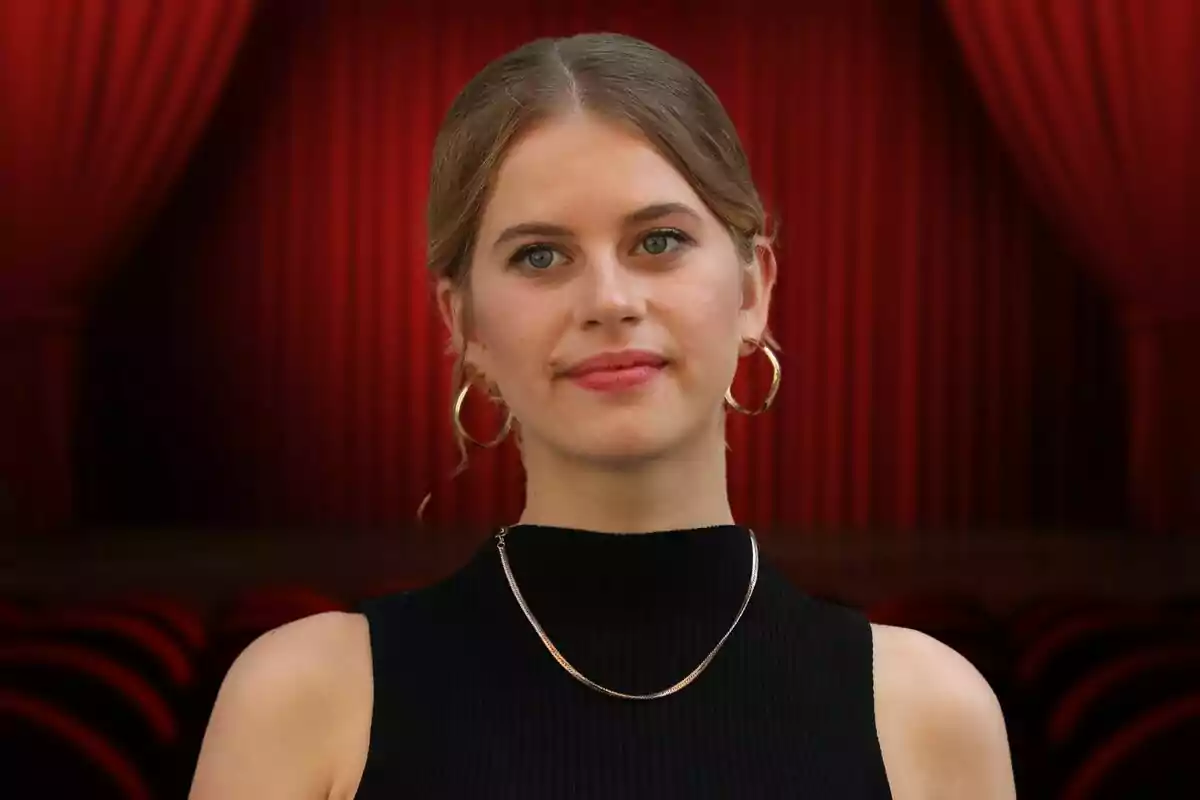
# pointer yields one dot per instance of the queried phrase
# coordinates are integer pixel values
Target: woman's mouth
(617, 371)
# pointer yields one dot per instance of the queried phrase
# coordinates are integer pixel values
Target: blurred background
(224, 389)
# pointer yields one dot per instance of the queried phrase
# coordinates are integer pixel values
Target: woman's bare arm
(281, 723)
(940, 726)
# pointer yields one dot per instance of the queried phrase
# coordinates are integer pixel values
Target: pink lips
(612, 372)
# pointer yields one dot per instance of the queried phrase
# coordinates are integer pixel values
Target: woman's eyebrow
(645, 214)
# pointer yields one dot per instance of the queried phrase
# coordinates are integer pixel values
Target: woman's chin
(626, 445)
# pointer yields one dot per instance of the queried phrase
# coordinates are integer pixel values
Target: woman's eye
(537, 257)
(541, 257)
(657, 243)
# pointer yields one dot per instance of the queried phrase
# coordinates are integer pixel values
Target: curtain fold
(1100, 105)
(100, 105)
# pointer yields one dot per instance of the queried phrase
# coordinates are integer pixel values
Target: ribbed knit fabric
(469, 703)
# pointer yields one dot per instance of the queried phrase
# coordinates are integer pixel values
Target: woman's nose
(611, 293)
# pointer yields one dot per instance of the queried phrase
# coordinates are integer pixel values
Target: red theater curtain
(100, 103)
(1100, 104)
(908, 263)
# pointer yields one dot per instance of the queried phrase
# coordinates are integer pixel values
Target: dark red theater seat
(128, 638)
(1052, 663)
(1034, 617)
(1114, 691)
(179, 619)
(55, 754)
(91, 683)
(1153, 756)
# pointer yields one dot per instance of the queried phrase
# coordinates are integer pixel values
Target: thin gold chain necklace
(691, 676)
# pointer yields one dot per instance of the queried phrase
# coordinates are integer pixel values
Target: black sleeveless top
(468, 702)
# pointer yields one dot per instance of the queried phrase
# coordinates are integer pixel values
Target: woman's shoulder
(309, 648)
(293, 710)
(940, 724)
(313, 661)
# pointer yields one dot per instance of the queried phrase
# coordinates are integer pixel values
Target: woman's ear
(758, 282)
(453, 304)
(450, 305)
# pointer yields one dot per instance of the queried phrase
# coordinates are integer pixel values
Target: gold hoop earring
(456, 415)
(775, 380)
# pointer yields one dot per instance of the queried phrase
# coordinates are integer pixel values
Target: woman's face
(593, 247)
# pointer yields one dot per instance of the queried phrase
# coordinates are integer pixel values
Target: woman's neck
(679, 490)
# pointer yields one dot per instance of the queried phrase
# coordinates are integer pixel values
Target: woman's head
(589, 197)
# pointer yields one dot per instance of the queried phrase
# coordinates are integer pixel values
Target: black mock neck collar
(673, 572)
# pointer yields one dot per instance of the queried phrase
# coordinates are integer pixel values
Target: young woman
(602, 263)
